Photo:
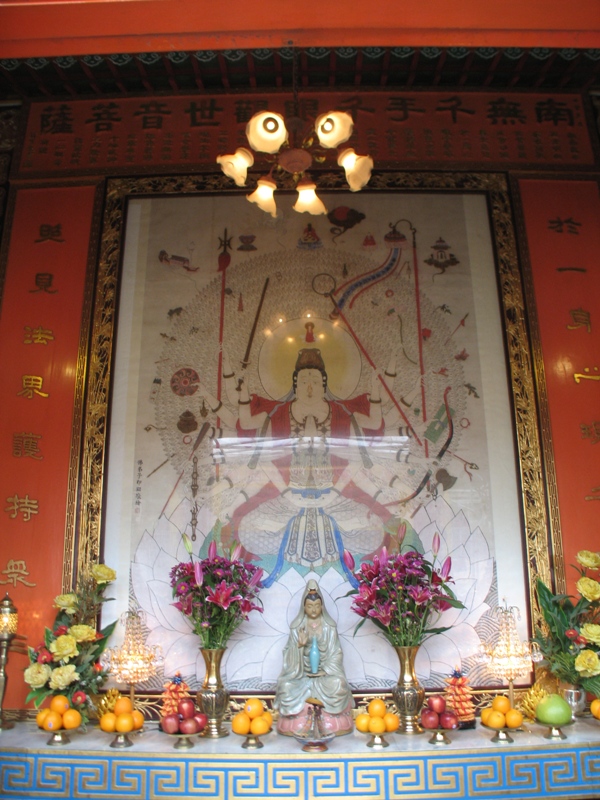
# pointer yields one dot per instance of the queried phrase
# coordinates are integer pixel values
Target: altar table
(471, 766)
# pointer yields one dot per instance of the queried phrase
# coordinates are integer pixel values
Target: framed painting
(308, 385)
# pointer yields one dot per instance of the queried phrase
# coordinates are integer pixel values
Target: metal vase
(575, 697)
(408, 693)
(213, 698)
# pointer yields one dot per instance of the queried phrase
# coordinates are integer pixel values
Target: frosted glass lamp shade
(357, 168)
(9, 620)
(266, 132)
(235, 165)
(333, 128)
(307, 198)
(263, 196)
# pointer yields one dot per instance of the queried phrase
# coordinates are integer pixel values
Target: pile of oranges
(377, 719)
(58, 715)
(254, 718)
(501, 715)
(124, 718)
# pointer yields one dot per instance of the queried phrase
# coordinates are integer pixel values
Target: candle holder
(133, 662)
(8, 630)
(508, 658)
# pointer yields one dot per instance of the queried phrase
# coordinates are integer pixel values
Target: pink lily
(198, 574)
(446, 567)
(435, 547)
(221, 595)
(256, 578)
(383, 557)
(348, 560)
(236, 552)
(212, 550)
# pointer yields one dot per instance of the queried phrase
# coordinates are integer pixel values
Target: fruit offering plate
(503, 734)
(554, 732)
(182, 741)
(253, 740)
(60, 737)
(439, 735)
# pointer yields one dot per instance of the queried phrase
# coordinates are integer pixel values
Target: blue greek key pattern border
(561, 772)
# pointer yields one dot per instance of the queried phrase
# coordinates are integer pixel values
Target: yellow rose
(588, 559)
(64, 648)
(62, 676)
(591, 632)
(36, 675)
(67, 602)
(103, 574)
(587, 664)
(83, 633)
(588, 588)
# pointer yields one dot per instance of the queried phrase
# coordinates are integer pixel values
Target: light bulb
(235, 165)
(266, 132)
(357, 168)
(333, 128)
(263, 196)
(307, 198)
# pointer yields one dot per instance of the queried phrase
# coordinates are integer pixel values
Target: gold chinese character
(50, 233)
(581, 319)
(25, 445)
(595, 494)
(585, 375)
(32, 384)
(16, 572)
(37, 335)
(43, 281)
(23, 504)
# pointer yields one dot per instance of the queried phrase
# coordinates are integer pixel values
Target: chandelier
(134, 662)
(508, 658)
(267, 133)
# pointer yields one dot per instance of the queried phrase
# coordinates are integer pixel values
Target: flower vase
(575, 697)
(213, 698)
(408, 693)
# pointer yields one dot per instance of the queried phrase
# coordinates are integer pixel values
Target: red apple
(188, 725)
(186, 708)
(170, 723)
(430, 719)
(437, 703)
(201, 719)
(449, 720)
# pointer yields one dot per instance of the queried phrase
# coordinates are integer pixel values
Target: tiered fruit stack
(501, 715)
(178, 713)
(459, 698)
(123, 718)
(59, 715)
(377, 719)
(435, 714)
(253, 719)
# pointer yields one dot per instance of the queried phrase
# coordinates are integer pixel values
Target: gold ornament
(531, 698)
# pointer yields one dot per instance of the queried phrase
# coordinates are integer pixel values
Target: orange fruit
(391, 721)
(240, 723)
(259, 725)
(40, 716)
(501, 703)
(52, 721)
(123, 706)
(485, 713)
(514, 718)
(269, 717)
(71, 719)
(496, 720)
(59, 703)
(124, 722)
(138, 719)
(362, 723)
(376, 708)
(595, 707)
(376, 725)
(108, 722)
(253, 707)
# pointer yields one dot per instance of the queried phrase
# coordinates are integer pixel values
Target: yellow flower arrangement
(570, 643)
(68, 661)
